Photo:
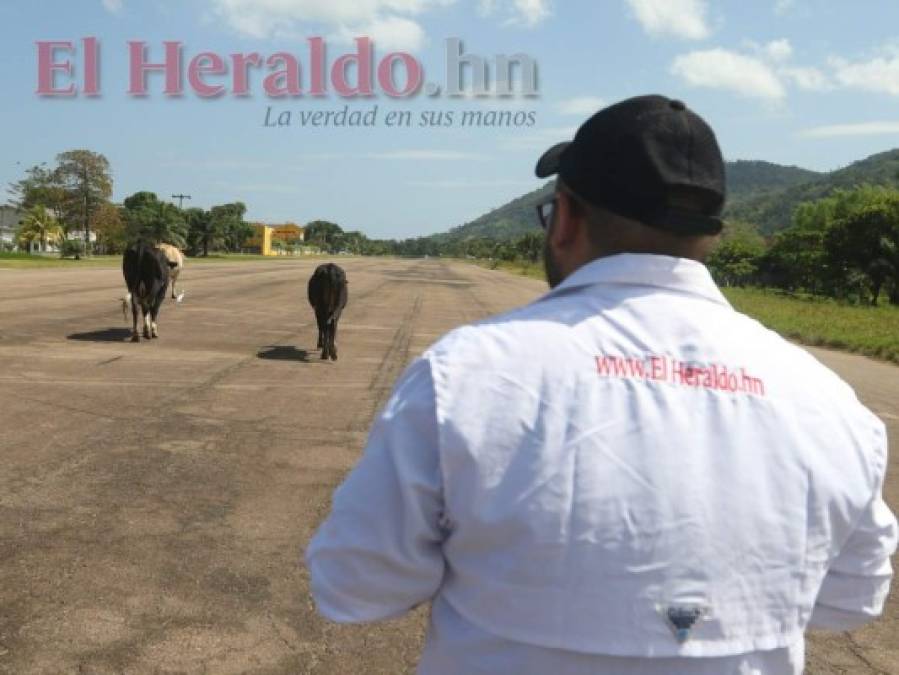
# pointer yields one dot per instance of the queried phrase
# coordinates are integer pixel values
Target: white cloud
(393, 32)
(781, 7)
(809, 79)
(778, 50)
(114, 6)
(879, 74)
(730, 71)
(518, 12)
(532, 12)
(856, 129)
(392, 24)
(679, 18)
(580, 105)
(388, 20)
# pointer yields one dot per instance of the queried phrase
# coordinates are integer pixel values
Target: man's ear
(568, 221)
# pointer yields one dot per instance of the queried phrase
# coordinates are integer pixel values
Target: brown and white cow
(176, 264)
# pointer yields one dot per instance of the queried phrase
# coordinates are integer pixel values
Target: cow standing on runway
(328, 296)
(146, 271)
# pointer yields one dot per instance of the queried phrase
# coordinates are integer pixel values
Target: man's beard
(553, 275)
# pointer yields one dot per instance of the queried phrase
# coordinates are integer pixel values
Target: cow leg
(322, 320)
(134, 336)
(154, 329)
(326, 346)
(334, 340)
(146, 311)
(174, 279)
(326, 341)
(156, 305)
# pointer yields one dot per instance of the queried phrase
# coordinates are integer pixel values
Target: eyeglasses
(545, 211)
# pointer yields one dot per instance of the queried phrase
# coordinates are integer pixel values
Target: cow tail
(333, 301)
(125, 302)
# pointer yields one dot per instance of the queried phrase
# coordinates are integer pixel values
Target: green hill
(772, 211)
(750, 179)
(511, 220)
(763, 194)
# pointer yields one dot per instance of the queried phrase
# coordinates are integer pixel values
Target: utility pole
(180, 199)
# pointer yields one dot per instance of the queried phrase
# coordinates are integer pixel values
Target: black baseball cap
(648, 158)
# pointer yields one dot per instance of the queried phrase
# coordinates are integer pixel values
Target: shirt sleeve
(378, 554)
(858, 581)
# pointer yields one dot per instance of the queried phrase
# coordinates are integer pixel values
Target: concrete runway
(154, 497)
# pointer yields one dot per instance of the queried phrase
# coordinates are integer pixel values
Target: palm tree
(39, 225)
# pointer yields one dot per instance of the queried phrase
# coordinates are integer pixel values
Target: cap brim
(548, 164)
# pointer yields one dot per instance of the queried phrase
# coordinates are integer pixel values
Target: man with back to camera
(627, 475)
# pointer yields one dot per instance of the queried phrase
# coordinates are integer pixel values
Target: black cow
(146, 271)
(328, 296)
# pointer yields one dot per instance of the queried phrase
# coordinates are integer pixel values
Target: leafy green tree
(354, 242)
(40, 187)
(109, 226)
(85, 179)
(861, 249)
(39, 226)
(795, 260)
(203, 233)
(735, 262)
(323, 234)
(228, 221)
(530, 246)
(153, 221)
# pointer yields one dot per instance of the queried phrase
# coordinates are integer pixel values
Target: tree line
(74, 196)
(843, 246)
(331, 238)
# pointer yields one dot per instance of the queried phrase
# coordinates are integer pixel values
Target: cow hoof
(324, 356)
(334, 356)
(135, 338)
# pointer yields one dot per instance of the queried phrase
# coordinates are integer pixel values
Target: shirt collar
(641, 269)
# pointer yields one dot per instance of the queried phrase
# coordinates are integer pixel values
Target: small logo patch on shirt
(682, 619)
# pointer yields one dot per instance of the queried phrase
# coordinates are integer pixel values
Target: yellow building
(275, 239)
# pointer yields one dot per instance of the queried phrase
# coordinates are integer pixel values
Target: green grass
(525, 269)
(820, 322)
(25, 261)
(823, 322)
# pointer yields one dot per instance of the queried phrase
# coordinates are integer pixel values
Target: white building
(10, 217)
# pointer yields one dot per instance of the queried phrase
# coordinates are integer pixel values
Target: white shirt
(624, 476)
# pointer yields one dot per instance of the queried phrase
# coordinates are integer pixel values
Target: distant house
(79, 235)
(274, 239)
(10, 218)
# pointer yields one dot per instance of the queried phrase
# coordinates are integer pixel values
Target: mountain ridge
(761, 193)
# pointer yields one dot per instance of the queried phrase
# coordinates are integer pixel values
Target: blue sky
(808, 82)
